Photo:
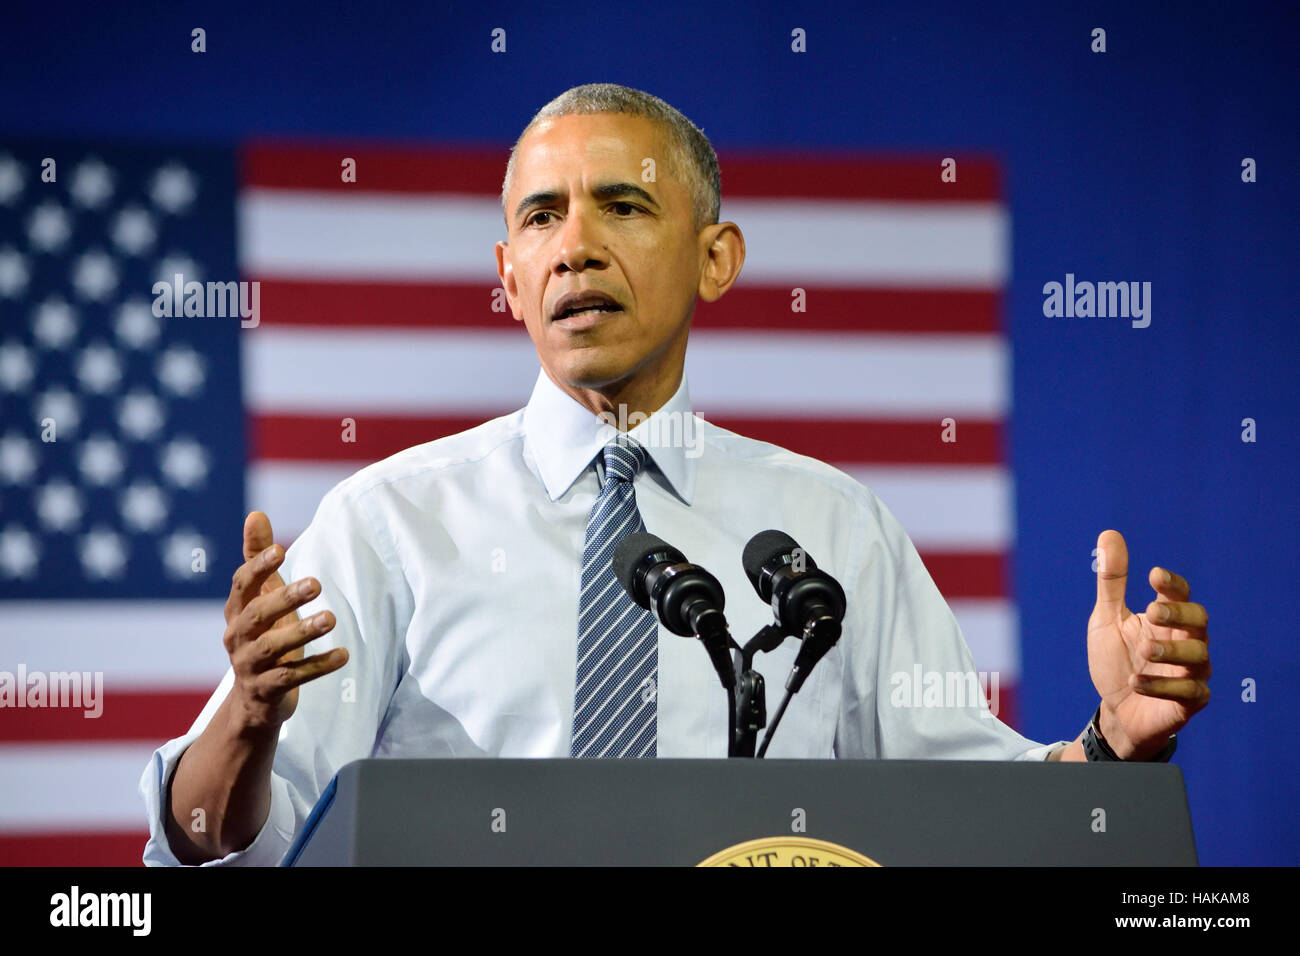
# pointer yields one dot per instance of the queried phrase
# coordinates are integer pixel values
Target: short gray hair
(690, 151)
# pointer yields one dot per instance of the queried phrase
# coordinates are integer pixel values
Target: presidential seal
(788, 851)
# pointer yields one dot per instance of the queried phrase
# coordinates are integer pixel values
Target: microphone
(684, 597)
(806, 601)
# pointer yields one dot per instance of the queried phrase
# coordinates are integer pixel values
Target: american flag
(868, 313)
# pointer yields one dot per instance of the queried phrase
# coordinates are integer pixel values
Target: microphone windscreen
(630, 552)
(762, 548)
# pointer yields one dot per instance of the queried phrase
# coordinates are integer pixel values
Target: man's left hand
(1152, 670)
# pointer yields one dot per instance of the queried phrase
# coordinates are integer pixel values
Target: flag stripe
(372, 236)
(943, 508)
(738, 374)
(148, 715)
(74, 847)
(423, 170)
(318, 438)
(426, 305)
(54, 786)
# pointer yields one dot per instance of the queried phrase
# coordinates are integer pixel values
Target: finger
(257, 534)
(1176, 652)
(272, 683)
(1112, 575)
(267, 610)
(1168, 585)
(249, 578)
(1183, 615)
(257, 538)
(1184, 689)
(272, 646)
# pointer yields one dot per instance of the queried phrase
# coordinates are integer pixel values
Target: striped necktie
(615, 704)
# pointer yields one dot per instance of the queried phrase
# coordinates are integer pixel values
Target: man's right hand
(264, 636)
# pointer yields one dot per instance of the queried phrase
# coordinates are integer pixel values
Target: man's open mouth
(574, 304)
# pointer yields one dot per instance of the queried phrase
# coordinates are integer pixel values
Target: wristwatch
(1095, 747)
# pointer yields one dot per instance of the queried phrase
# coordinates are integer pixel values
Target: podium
(478, 812)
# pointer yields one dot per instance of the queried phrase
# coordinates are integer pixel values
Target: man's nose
(581, 242)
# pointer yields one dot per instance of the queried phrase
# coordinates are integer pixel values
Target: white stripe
(803, 242)
(991, 628)
(354, 372)
(800, 242)
(52, 787)
(942, 507)
(946, 507)
(136, 644)
(289, 492)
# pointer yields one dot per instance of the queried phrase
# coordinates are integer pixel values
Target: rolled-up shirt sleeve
(338, 715)
(912, 690)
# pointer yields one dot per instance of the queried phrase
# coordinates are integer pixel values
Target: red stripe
(148, 715)
(440, 305)
(380, 167)
(843, 442)
(70, 848)
(823, 175)
(408, 168)
(968, 574)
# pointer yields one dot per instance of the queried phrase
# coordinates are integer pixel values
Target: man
(457, 596)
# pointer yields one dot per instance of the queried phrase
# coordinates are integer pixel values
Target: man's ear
(723, 248)
(506, 272)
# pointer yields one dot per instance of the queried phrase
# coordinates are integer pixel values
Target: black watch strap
(1095, 747)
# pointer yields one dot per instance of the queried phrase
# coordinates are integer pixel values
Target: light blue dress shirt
(453, 571)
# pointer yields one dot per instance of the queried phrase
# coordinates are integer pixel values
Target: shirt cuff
(1041, 752)
(271, 844)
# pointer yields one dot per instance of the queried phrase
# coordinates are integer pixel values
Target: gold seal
(788, 851)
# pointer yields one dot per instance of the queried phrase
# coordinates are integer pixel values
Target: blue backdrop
(1122, 166)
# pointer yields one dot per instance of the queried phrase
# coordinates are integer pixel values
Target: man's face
(589, 223)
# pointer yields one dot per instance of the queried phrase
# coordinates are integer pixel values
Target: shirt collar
(565, 439)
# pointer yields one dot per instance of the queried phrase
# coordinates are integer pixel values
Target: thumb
(1112, 576)
(257, 538)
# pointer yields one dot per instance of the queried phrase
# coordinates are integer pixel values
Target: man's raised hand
(1152, 670)
(264, 636)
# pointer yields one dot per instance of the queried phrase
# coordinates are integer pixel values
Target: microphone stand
(749, 700)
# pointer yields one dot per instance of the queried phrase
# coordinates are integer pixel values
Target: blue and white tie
(615, 706)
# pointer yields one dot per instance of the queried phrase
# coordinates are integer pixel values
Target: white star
(134, 231)
(55, 324)
(184, 462)
(103, 554)
(58, 505)
(140, 416)
(19, 553)
(100, 460)
(59, 404)
(92, 184)
(11, 179)
(177, 263)
(177, 552)
(13, 273)
(136, 325)
(16, 367)
(49, 227)
(98, 368)
(180, 369)
(95, 275)
(17, 459)
(174, 188)
(143, 507)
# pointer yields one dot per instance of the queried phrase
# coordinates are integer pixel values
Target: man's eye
(623, 205)
(532, 220)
